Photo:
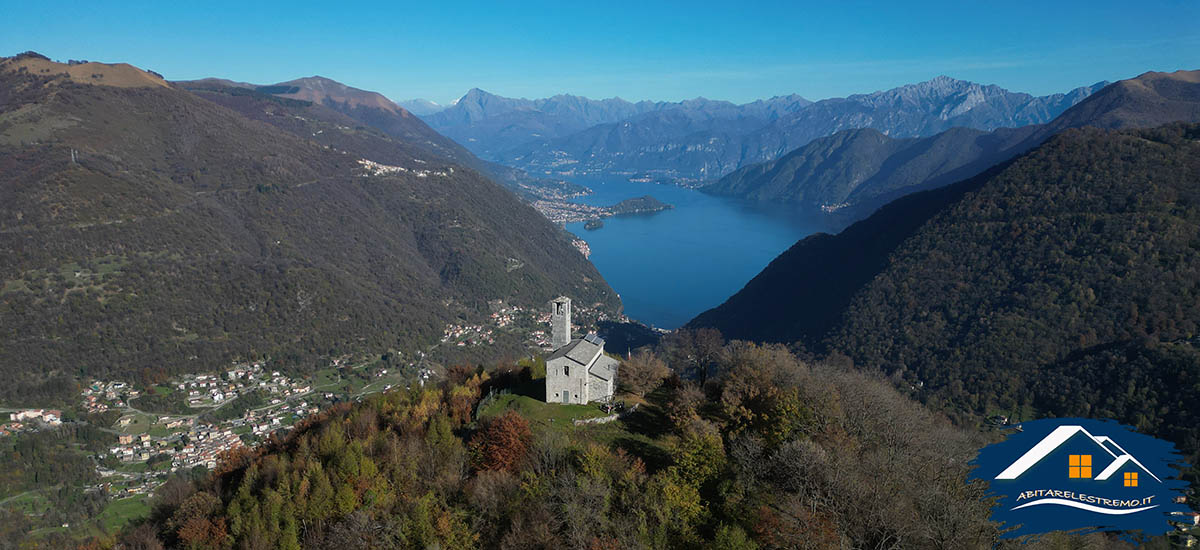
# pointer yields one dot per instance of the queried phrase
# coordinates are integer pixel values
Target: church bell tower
(560, 322)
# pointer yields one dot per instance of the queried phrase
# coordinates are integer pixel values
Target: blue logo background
(1041, 484)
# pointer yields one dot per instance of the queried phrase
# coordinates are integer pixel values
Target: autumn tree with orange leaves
(502, 444)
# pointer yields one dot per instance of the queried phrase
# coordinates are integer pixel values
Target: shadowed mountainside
(150, 227)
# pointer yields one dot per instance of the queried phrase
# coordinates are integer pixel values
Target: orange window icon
(1131, 479)
(1079, 467)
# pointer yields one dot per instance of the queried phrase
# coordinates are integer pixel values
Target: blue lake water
(670, 266)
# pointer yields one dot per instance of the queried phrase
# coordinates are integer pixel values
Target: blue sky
(737, 51)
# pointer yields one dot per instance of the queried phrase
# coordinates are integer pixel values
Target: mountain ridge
(720, 141)
(120, 75)
(816, 174)
(376, 110)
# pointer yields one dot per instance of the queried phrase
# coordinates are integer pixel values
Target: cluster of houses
(505, 317)
(264, 423)
(205, 447)
(197, 445)
(49, 416)
(210, 389)
(100, 396)
(206, 389)
(135, 448)
(30, 419)
(1188, 523)
(468, 335)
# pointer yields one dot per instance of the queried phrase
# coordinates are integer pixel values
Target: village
(183, 424)
(189, 420)
(530, 325)
(224, 411)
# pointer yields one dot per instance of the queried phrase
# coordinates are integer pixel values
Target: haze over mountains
(142, 224)
(863, 169)
(421, 107)
(700, 139)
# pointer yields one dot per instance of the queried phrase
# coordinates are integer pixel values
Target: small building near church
(577, 371)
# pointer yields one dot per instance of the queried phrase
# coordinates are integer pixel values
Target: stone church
(577, 371)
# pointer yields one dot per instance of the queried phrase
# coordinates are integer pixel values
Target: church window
(566, 371)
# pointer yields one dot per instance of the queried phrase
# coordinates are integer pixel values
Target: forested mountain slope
(1063, 283)
(148, 228)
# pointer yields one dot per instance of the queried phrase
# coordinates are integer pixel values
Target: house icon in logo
(1080, 462)
(1062, 474)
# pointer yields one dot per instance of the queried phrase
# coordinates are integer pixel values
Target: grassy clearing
(325, 377)
(133, 467)
(138, 423)
(643, 433)
(119, 513)
(32, 503)
(538, 413)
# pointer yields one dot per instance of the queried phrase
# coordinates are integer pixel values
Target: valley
(735, 277)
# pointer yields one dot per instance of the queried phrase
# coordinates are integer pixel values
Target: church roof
(605, 368)
(580, 350)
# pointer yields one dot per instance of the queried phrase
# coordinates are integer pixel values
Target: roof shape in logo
(1059, 436)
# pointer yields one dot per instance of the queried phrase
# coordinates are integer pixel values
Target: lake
(672, 265)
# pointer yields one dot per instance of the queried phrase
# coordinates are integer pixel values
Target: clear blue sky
(738, 50)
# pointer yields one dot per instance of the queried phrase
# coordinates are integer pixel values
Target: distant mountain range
(488, 124)
(1055, 283)
(863, 169)
(421, 107)
(145, 224)
(700, 140)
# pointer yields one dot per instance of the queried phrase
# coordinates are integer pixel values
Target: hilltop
(319, 89)
(117, 75)
(791, 455)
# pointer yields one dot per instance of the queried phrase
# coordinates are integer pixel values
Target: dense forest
(1062, 283)
(149, 227)
(768, 452)
(1070, 281)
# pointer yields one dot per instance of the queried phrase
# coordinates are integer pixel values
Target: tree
(502, 444)
(683, 409)
(643, 372)
(694, 352)
(732, 537)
